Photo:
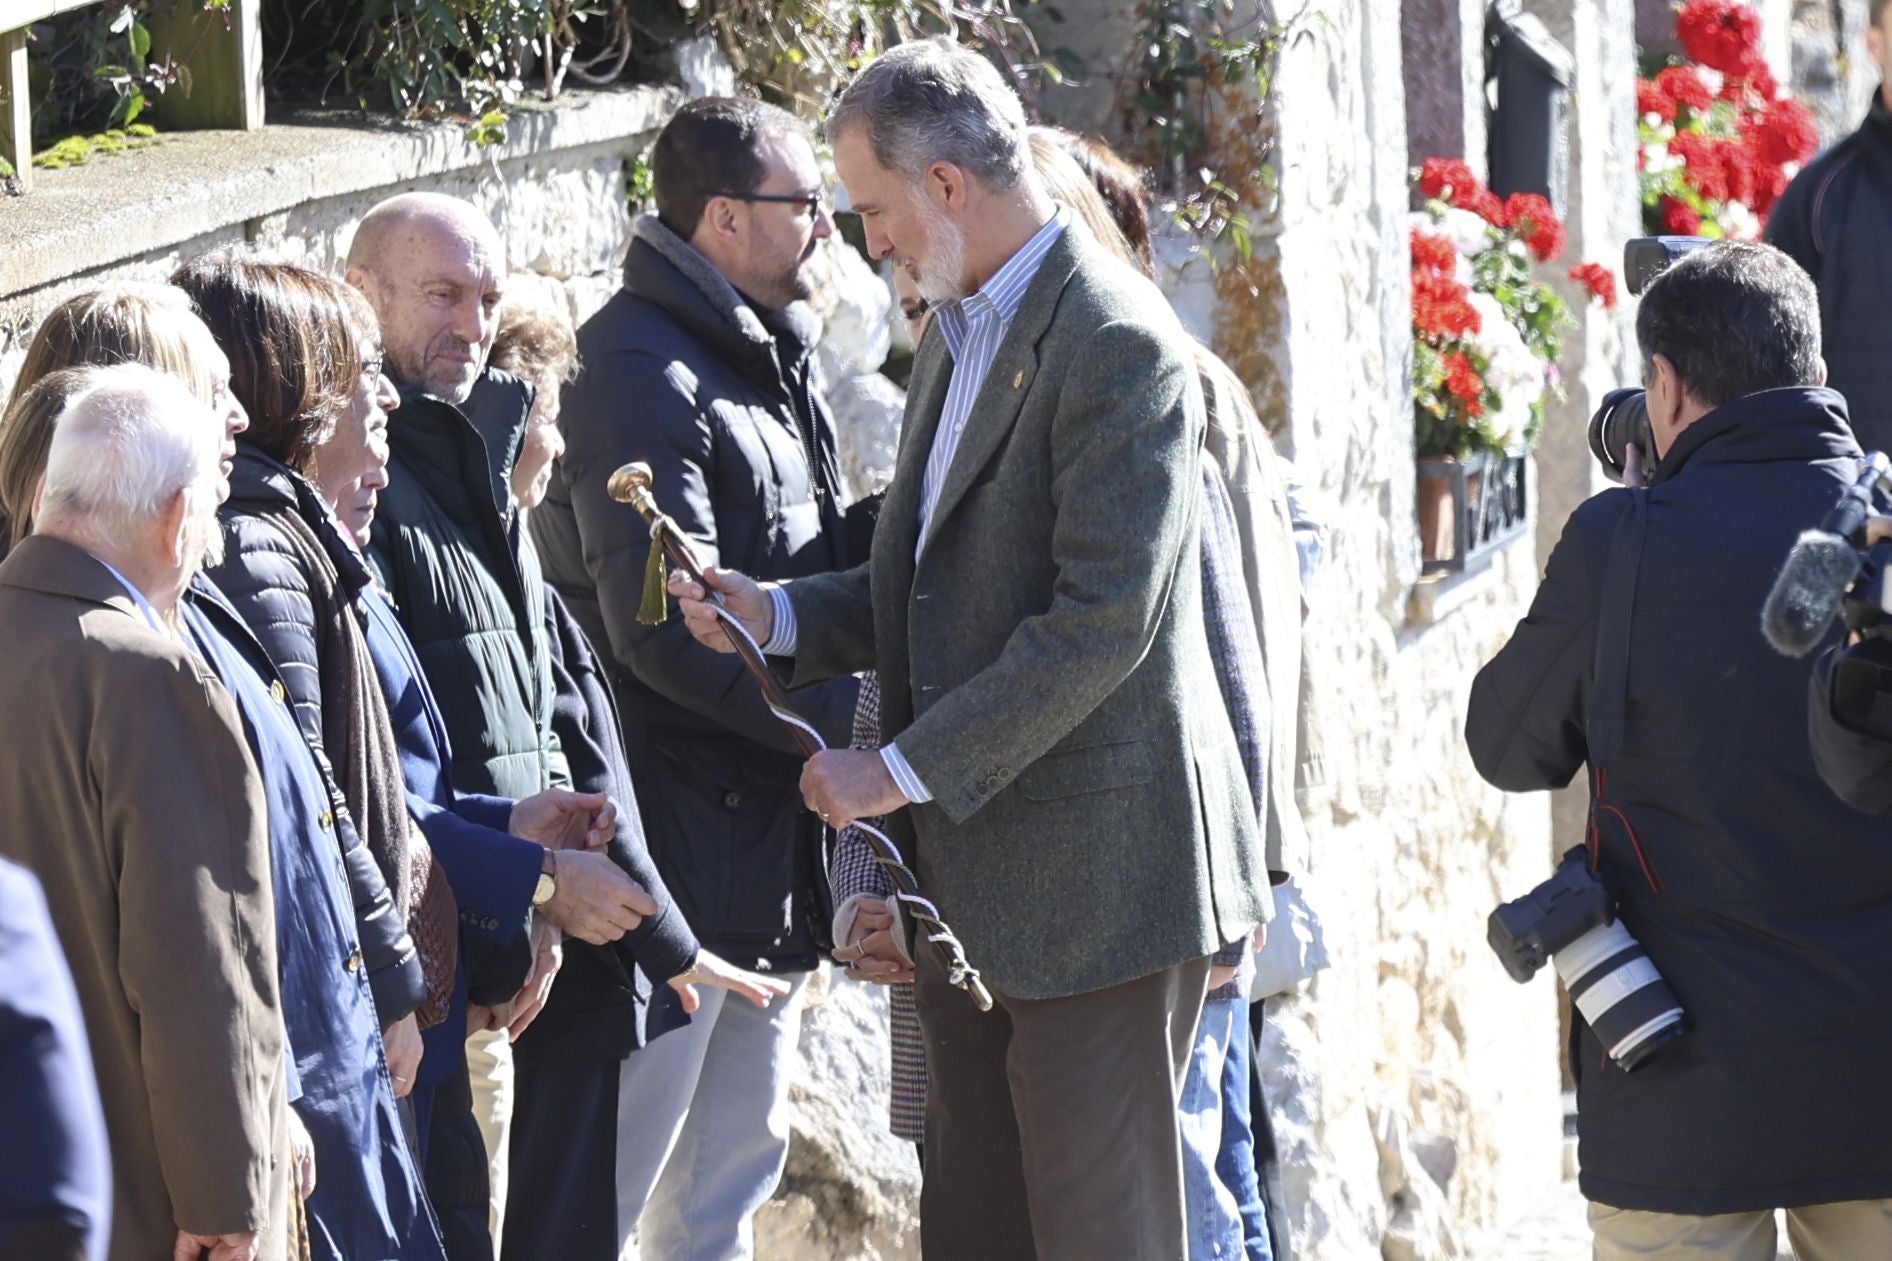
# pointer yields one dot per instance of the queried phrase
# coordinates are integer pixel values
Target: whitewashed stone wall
(1832, 75)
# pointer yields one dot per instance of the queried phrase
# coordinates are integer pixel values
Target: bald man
(451, 555)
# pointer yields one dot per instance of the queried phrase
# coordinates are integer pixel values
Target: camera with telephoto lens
(1570, 920)
(1624, 416)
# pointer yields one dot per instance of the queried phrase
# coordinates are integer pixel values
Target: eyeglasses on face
(811, 203)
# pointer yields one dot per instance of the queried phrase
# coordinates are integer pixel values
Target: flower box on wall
(1469, 508)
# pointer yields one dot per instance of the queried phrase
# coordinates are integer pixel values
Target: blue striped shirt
(974, 328)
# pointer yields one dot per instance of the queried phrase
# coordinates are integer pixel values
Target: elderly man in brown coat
(128, 788)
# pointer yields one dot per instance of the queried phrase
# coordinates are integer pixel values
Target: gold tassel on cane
(655, 606)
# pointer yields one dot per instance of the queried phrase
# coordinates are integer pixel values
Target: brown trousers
(1051, 1123)
(1854, 1230)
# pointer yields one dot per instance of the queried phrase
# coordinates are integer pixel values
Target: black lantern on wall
(1529, 75)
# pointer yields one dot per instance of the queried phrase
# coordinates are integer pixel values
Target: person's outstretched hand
(559, 818)
(713, 971)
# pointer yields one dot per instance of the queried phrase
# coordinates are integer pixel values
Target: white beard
(941, 275)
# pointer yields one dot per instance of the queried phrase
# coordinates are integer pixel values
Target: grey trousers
(703, 1128)
(1853, 1230)
(1051, 1124)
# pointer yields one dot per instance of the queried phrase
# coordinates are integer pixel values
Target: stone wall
(1832, 75)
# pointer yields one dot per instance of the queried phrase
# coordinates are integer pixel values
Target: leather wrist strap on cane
(631, 485)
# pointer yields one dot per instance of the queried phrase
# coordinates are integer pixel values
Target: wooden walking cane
(631, 485)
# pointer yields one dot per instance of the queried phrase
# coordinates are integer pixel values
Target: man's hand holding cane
(839, 785)
(842, 786)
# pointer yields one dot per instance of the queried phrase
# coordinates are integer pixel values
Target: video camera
(1832, 572)
(1624, 416)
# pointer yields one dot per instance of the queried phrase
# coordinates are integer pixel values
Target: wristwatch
(547, 888)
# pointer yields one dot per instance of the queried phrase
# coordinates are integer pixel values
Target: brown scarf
(360, 742)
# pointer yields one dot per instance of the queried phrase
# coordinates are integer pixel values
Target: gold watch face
(543, 893)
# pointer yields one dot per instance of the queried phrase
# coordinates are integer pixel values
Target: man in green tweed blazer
(1075, 802)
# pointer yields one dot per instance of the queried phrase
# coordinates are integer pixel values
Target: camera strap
(1609, 687)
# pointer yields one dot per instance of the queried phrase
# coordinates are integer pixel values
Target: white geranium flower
(1738, 222)
(1471, 234)
(1657, 159)
(1511, 369)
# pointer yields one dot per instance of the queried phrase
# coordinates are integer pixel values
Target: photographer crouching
(1726, 932)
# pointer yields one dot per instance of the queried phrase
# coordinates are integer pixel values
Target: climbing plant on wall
(1194, 101)
(799, 51)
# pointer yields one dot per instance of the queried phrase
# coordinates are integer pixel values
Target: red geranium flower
(1451, 181)
(1598, 279)
(1679, 217)
(1782, 132)
(1723, 35)
(1441, 309)
(1738, 164)
(1683, 86)
(1769, 183)
(1433, 254)
(1445, 179)
(1536, 224)
(1757, 80)
(1463, 383)
(1719, 169)
(1484, 203)
(1650, 100)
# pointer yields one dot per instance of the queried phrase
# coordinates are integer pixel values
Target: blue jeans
(1209, 1207)
(1235, 1164)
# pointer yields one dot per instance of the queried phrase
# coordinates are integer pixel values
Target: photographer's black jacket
(1765, 901)
(1835, 219)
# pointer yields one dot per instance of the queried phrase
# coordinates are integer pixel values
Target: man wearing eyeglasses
(701, 366)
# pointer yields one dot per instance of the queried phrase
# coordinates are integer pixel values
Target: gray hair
(932, 100)
(127, 441)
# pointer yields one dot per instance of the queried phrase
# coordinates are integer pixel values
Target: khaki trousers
(489, 1073)
(1853, 1230)
(1051, 1126)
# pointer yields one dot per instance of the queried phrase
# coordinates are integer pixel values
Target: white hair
(128, 440)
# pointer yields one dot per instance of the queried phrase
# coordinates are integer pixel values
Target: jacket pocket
(1095, 768)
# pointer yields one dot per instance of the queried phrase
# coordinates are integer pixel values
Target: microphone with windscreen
(1821, 568)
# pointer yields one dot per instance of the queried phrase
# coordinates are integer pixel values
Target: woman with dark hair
(294, 367)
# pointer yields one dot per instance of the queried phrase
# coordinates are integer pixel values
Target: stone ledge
(119, 206)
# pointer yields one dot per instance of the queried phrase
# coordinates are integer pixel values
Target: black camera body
(1624, 416)
(1570, 920)
(1525, 933)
